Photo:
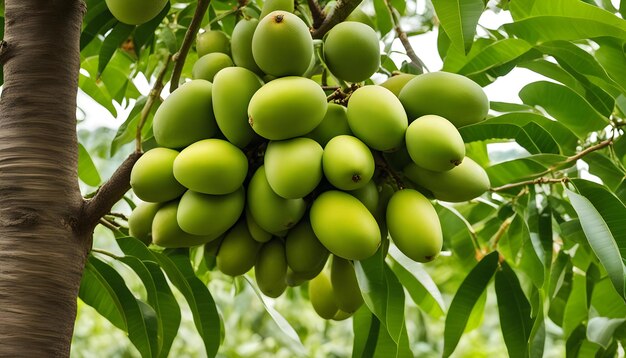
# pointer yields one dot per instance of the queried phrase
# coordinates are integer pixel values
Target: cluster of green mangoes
(254, 161)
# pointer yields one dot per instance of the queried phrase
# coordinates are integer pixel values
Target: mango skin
(352, 51)
(272, 212)
(212, 41)
(345, 285)
(238, 252)
(293, 167)
(255, 230)
(462, 183)
(376, 116)
(211, 166)
(152, 177)
(233, 87)
(305, 253)
(207, 66)
(270, 269)
(434, 143)
(286, 108)
(135, 12)
(454, 97)
(344, 225)
(322, 296)
(274, 5)
(334, 123)
(414, 225)
(186, 116)
(341, 316)
(241, 45)
(166, 232)
(282, 44)
(396, 83)
(348, 163)
(368, 195)
(204, 214)
(140, 221)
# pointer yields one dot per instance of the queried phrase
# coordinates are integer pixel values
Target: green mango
(293, 167)
(152, 177)
(272, 212)
(334, 123)
(133, 12)
(211, 41)
(207, 66)
(368, 195)
(345, 286)
(454, 97)
(434, 143)
(294, 279)
(273, 5)
(282, 44)
(270, 269)
(256, 231)
(347, 162)
(211, 166)
(287, 107)
(414, 225)
(166, 232)
(233, 88)
(341, 315)
(305, 253)
(238, 252)
(140, 221)
(396, 83)
(376, 116)
(210, 250)
(352, 51)
(344, 225)
(322, 296)
(241, 45)
(205, 214)
(186, 116)
(462, 183)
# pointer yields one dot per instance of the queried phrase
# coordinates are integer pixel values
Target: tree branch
(340, 13)
(542, 180)
(404, 39)
(318, 14)
(155, 93)
(190, 36)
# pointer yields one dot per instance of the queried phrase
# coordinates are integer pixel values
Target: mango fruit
(135, 12)
(341, 316)
(211, 166)
(376, 117)
(270, 269)
(166, 232)
(186, 116)
(140, 221)
(352, 51)
(211, 41)
(347, 162)
(345, 285)
(368, 195)
(287, 107)
(205, 214)
(344, 225)
(305, 253)
(396, 83)
(322, 296)
(334, 123)
(274, 5)
(238, 251)
(241, 45)
(255, 230)
(152, 177)
(434, 143)
(207, 66)
(293, 167)
(282, 44)
(454, 97)
(414, 225)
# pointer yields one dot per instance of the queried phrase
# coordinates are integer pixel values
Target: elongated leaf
(145, 32)
(605, 168)
(494, 55)
(459, 19)
(612, 58)
(87, 171)
(537, 340)
(521, 169)
(99, 294)
(383, 17)
(114, 39)
(600, 330)
(366, 329)
(576, 308)
(466, 296)
(102, 21)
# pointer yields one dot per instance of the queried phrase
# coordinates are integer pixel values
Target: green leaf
(371, 339)
(112, 42)
(600, 330)
(494, 55)
(87, 171)
(465, 298)
(101, 22)
(459, 19)
(98, 293)
(537, 340)
(514, 311)
(612, 57)
(605, 168)
(576, 307)
(384, 22)
(145, 32)
(521, 169)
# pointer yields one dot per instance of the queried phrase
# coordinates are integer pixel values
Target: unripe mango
(186, 116)
(152, 177)
(287, 107)
(238, 251)
(368, 195)
(335, 123)
(454, 97)
(348, 163)
(166, 232)
(274, 5)
(345, 286)
(322, 296)
(133, 12)
(305, 253)
(272, 212)
(376, 116)
(294, 279)
(255, 230)
(233, 88)
(282, 44)
(205, 214)
(414, 225)
(396, 83)
(211, 41)
(341, 315)
(293, 167)
(344, 225)
(210, 64)
(462, 183)
(352, 51)
(434, 143)
(241, 45)
(140, 221)
(211, 166)
(270, 269)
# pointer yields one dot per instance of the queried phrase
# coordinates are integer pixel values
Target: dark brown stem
(318, 14)
(155, 93)
(341, 12)
(118, 215)
(108, 225)
(404, 39)
(190, 36)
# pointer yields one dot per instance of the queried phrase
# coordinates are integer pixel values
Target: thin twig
(341, 12)
(404, 39)
(318, 14)
(190, 36)
(155, 93)
(542, 180)
(119, 215)
(108, 225)
(495, 240)
(103, 252)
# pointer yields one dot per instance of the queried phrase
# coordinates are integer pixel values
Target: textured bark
(42, 253)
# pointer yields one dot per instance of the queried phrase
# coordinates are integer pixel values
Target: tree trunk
(42, 251)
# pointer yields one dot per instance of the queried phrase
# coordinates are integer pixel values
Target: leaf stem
(104, 252)
(404, 39)
(155, 93)
(541, 180)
